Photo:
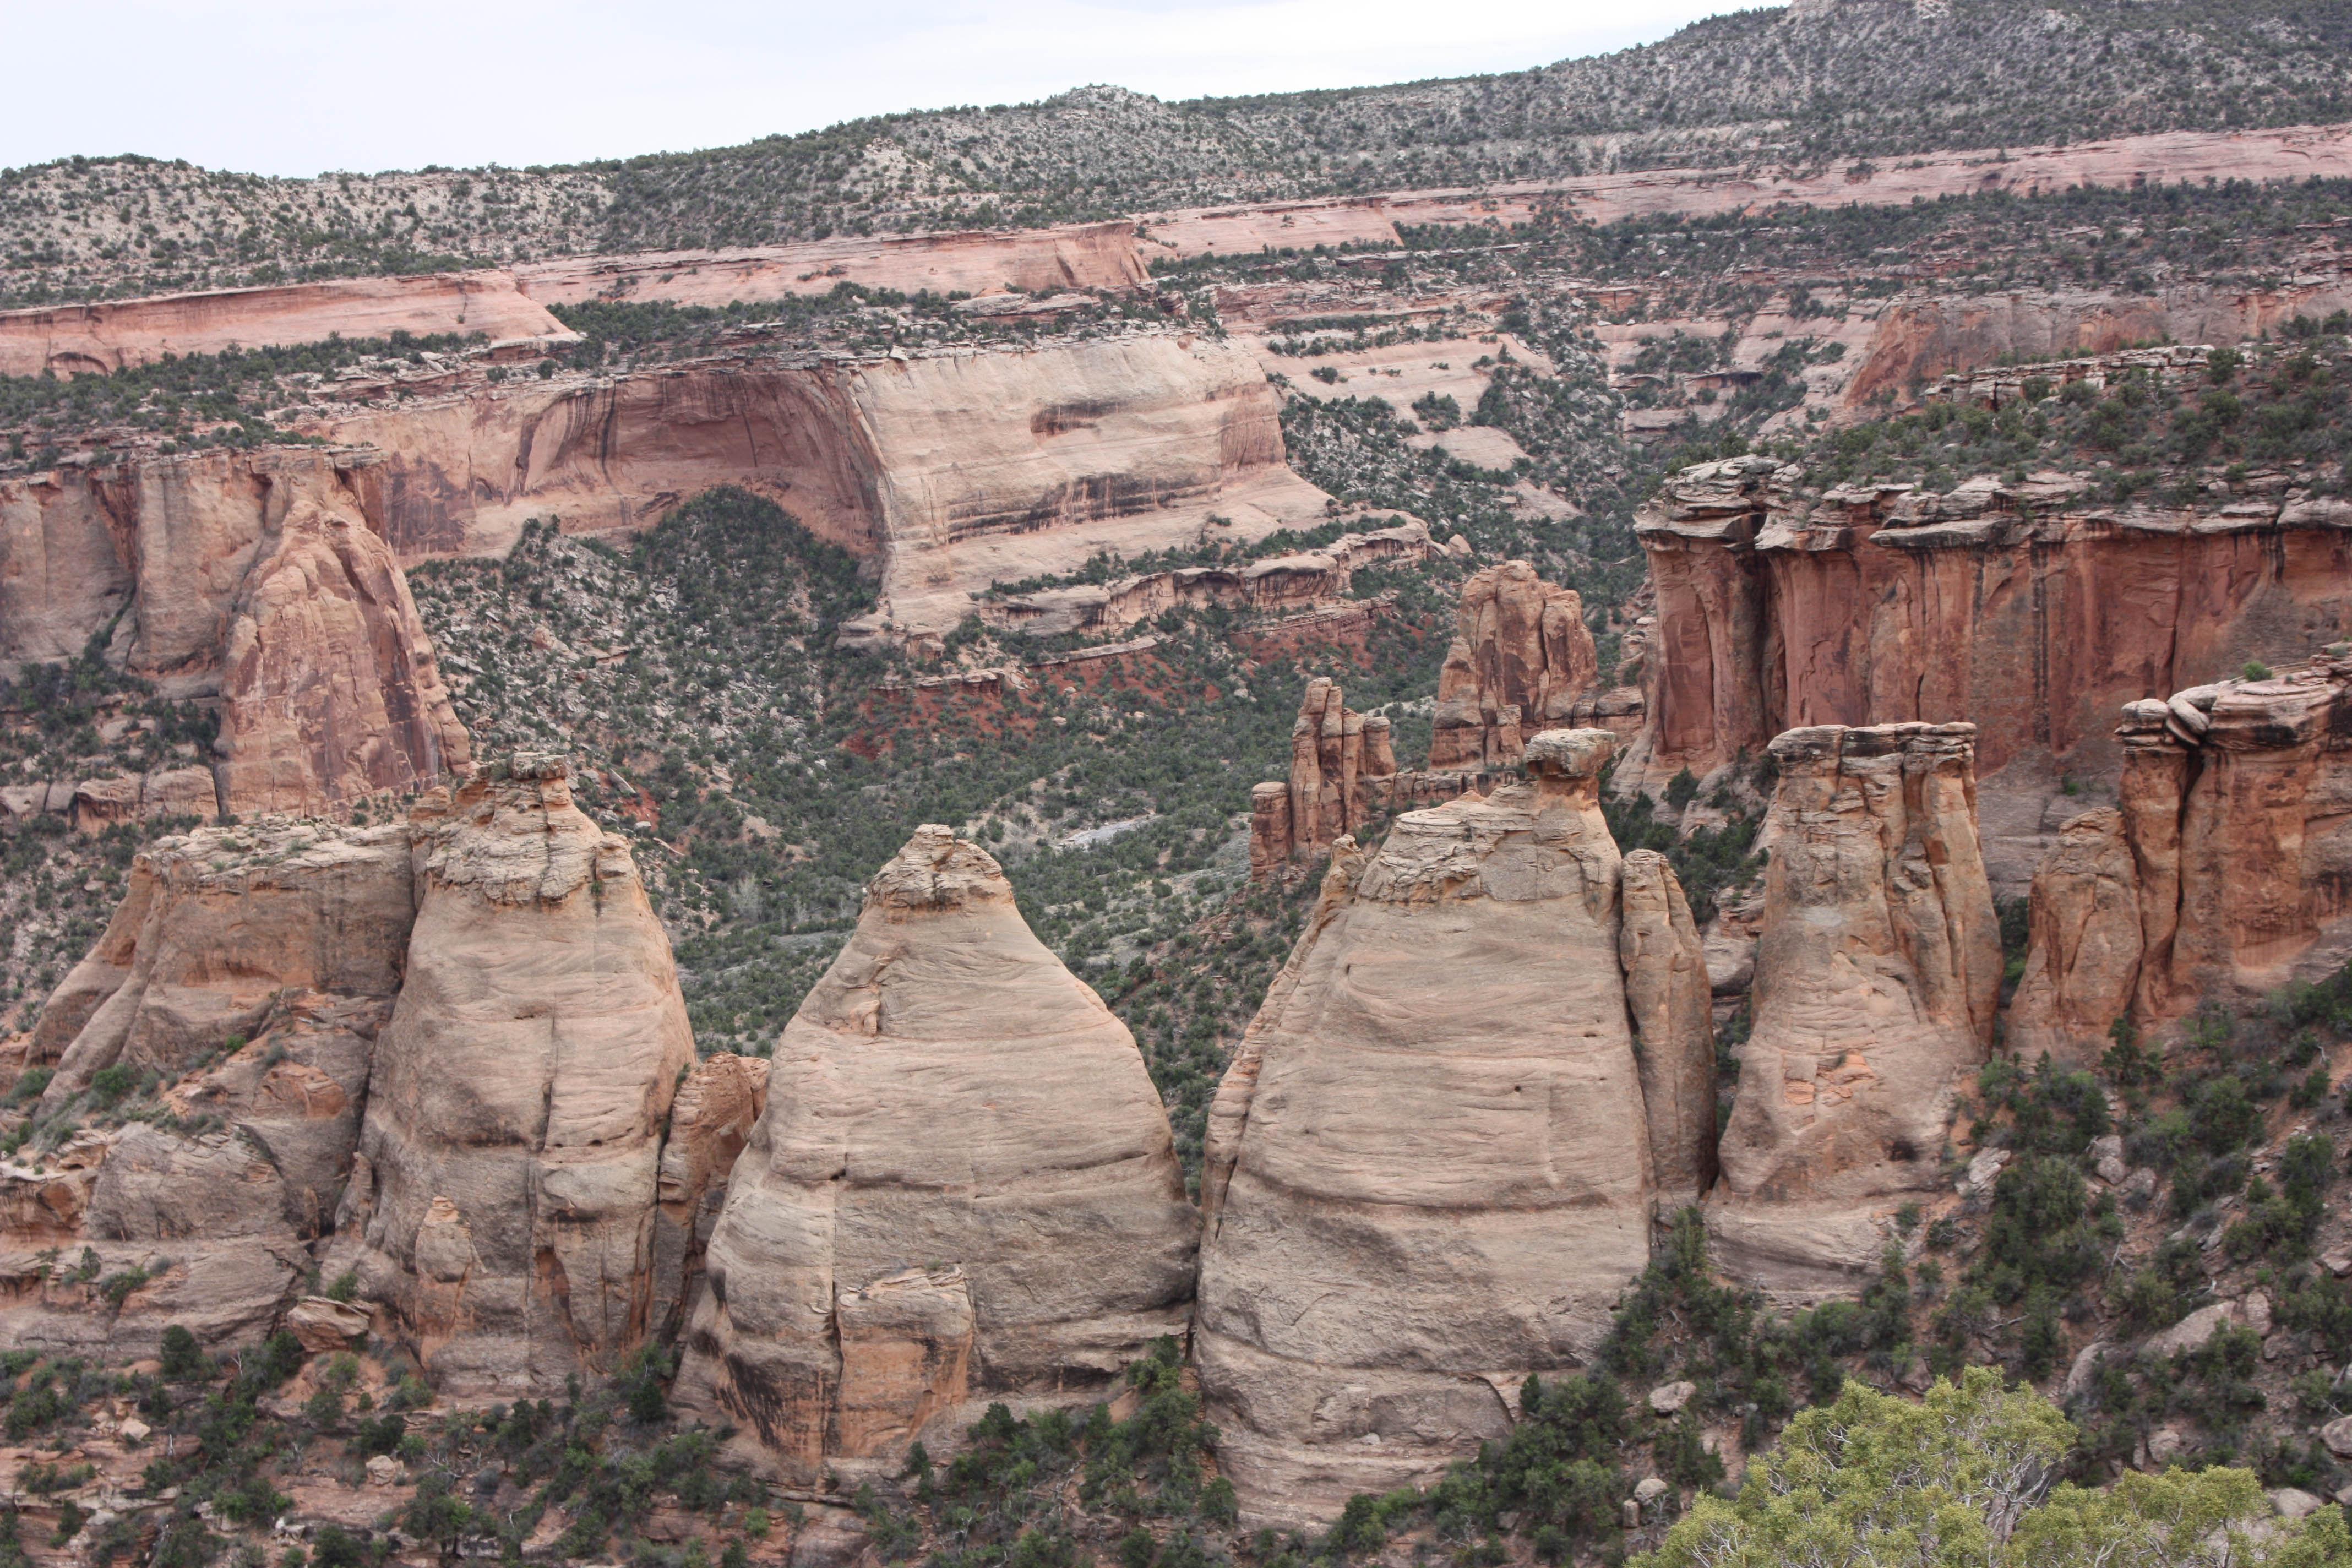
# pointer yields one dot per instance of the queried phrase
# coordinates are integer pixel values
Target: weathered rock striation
(954, 471)
(259, 579)
(962, 1185)
(1379, 1262)
(1876, 978)
(2027, 609)
(2222, 873)
(1522, 655)
(520, 1093)
(1304, 580)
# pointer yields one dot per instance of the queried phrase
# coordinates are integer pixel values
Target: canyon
(664, 863)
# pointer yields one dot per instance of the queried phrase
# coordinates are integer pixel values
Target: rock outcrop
(1876, 978)
(2221, 873)
(1343, 772)
(1667, 993)
(1379, 1262)
(1304, 580)
(219, 932)
(516, 1107)
(963, 1185)
(1522, 655)
(261, 579)
(2030, 610)
(710, 1122)
(954, 471)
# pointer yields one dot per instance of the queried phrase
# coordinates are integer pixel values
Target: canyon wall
(2221, 875)
(258, 580)
(1876, 977)
(955, 469)
(1379, 1268)
(73, 340)
(964, 1186)
(2026, 609)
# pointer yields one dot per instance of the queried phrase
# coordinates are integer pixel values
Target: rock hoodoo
(2220, 873)
(1521, 659)
(516, 1110)
(1876, 977)
(1378, 1259)
(1342, 773)
(963, 1185)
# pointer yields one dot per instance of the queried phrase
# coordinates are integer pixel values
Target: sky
(273, 88)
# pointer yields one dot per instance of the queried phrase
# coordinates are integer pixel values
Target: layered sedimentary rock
(956, 470)
(2027, 609)
(963, 1185)
(1521, 657)
(1876, 977)
(221, 930)
(517, 1104)
(261, 579)
(1378, 1264)
(1302, 580)
(1343, 774)
(72, 340)
(2222, 873)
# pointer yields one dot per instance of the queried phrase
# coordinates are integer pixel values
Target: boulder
(323, 1324)
(963, 1186)
(1668, 1398)
(1375, 1263)
(518, 1094)
(1876, 975)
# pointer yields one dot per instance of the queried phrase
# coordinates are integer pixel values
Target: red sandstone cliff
(257, 579)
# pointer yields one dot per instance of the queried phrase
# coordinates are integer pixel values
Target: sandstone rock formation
(1343, 772)
(1521, 659)
(2029, 610)
(710, 1122)
(1378, 1265)
(1300, 581)
(956, 470)
(518, 1094)
(1876, 978)
(2219, 876)
(219, 931)
(963, 1185)
(1667, 993)
(72, 340)
(258, 578)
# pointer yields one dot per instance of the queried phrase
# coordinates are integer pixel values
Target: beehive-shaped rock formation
(515, 1115)
(1430, 1166)
(962, 1185)
(1876, 977)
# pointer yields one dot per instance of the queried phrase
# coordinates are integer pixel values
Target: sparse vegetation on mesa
(1864, 81)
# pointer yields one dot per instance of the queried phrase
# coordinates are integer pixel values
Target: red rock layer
(2015, 608)
(2225, 873)
(1521, 659)
(259, 578)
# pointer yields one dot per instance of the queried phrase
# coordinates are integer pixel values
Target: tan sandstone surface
(260, 578)
(964, 1186)
(518, 1096)
(1876, 977)
(1376, 1265)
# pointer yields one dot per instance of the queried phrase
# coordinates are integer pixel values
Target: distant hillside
(1821, 80)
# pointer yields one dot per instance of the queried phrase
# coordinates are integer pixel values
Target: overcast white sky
(298, 87)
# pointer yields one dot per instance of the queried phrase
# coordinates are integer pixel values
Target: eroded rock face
(710, 1122)
(222, 929)
(516, 1107)
(963, 1185)
(1876, 977)
(2220, 873)
(1667, 993)
(1430, 1164)
(1521, 657)
(261, 578)
(1343, 772)
(2031, 610)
